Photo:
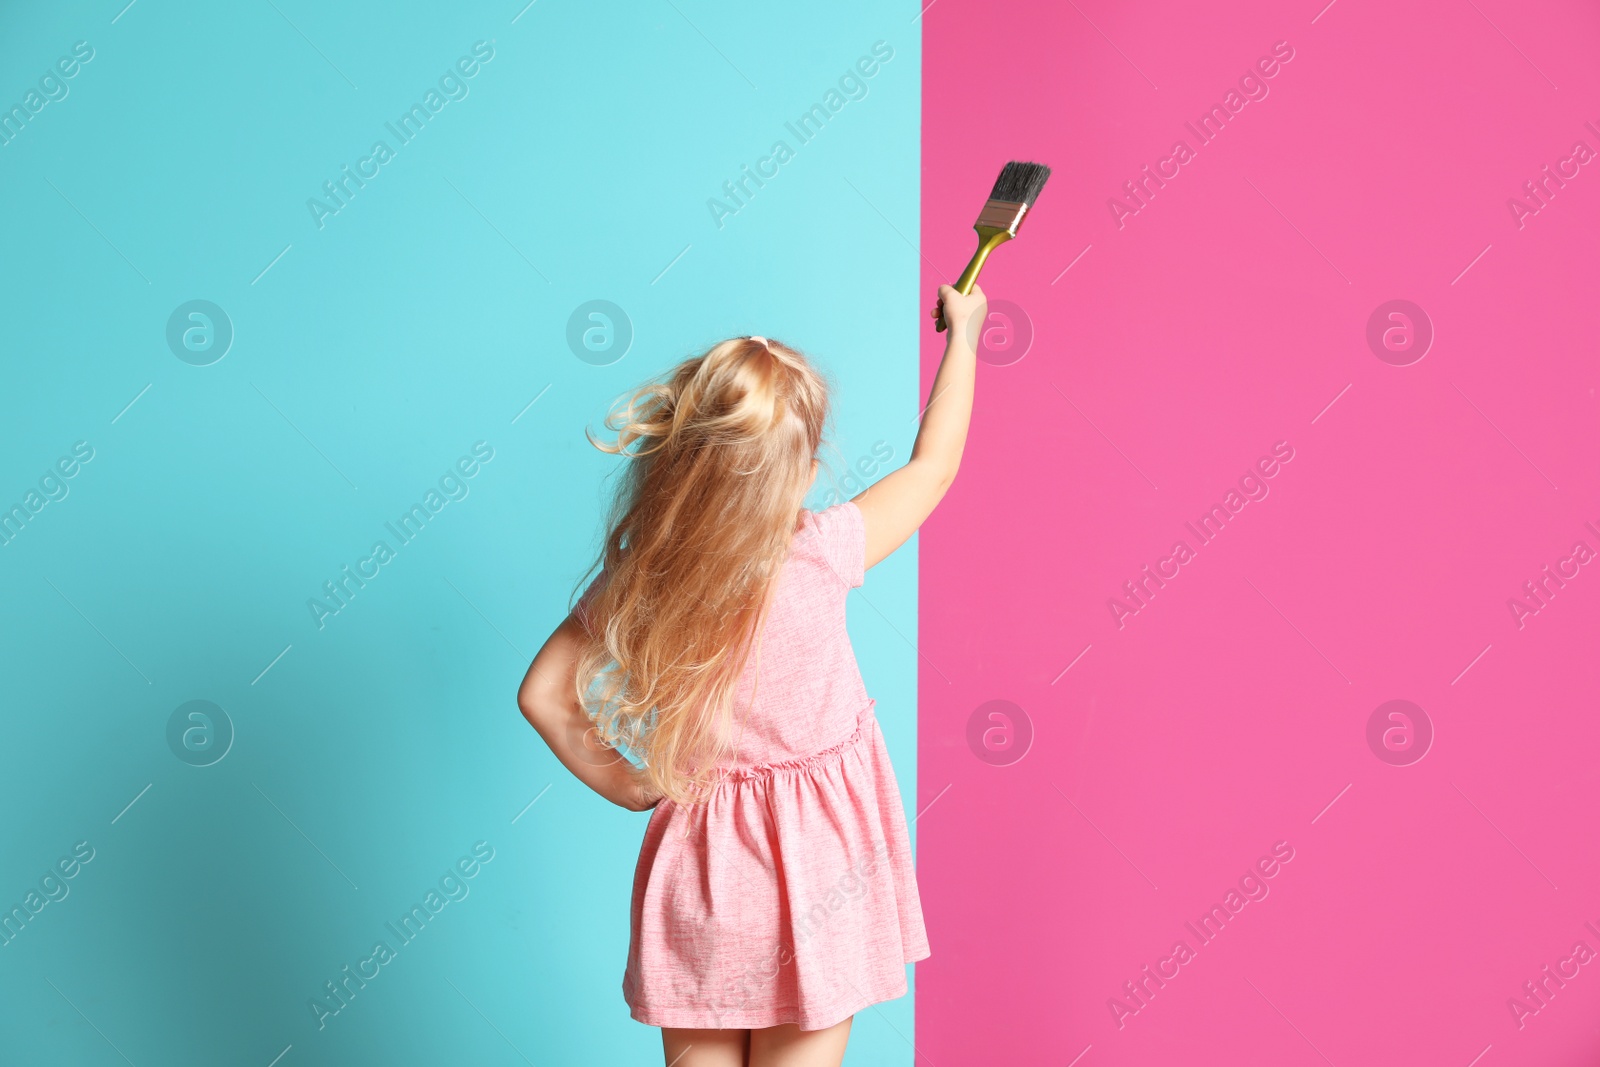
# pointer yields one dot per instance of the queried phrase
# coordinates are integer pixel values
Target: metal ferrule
(1002, 215)
(997, 224)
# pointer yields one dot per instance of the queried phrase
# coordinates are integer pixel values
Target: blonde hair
(719, 457)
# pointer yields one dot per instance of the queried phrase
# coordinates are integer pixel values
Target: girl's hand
(960, 311)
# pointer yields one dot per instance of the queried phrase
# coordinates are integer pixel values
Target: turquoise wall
(190, 475)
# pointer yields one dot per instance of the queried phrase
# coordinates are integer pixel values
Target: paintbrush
(1014, 193)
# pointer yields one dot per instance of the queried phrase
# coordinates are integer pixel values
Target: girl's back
(802, 691)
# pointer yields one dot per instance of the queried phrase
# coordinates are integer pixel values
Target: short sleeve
(844, 540)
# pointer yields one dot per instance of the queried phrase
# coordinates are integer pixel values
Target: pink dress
(789, 896)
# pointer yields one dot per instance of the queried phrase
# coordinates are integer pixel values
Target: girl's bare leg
(705, 1048)
(790, 1046)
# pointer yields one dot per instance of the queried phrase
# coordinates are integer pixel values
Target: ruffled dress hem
(693, 1018)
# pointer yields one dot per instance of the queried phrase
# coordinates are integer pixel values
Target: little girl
(774, 895)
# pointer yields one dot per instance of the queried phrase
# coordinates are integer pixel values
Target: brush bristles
(1020, 183)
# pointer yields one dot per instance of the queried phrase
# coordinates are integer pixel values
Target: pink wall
(1231, 712)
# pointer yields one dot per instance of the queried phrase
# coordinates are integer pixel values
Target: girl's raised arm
(899, 502)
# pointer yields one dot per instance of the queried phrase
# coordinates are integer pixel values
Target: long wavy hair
(719, 456)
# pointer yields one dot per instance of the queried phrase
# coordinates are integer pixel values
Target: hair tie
(763, 340)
